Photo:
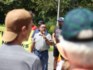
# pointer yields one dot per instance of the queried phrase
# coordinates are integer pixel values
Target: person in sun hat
(56, 54)
(18, 24)
(76, 43)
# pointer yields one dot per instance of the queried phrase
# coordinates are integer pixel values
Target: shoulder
(34, 56)
(33, 61)
(48, 34)
(36, 34)
(37, 30)
(31, 56)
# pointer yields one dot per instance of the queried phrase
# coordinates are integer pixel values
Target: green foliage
(50, 27)
(51, 48)
(0, 38)
(2, 28)
(1, 32)
(42, 9)
(67, 5)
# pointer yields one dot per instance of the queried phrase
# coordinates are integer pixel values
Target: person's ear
(24, 29)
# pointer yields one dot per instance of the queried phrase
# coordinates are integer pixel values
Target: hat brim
(9, 36)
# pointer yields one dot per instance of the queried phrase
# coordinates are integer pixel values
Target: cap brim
(9, 36)
(60, 20)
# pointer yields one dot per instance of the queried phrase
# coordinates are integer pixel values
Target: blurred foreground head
(77, 47)
(78, 25)
(15, 21)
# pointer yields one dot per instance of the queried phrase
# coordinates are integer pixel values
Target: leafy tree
(43, 9)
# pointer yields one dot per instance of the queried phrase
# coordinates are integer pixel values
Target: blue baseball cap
(75, 21)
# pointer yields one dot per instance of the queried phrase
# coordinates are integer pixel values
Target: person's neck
(60, 27)
(17, 41)
(43, 32)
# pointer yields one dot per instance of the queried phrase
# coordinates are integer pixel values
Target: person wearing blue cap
(76, 44)
(56, 34)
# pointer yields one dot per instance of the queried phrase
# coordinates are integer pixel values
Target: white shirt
(40, 43)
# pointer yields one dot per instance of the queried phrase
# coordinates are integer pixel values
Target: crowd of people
(72, 41)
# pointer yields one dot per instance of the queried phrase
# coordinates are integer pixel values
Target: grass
(51, 48)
